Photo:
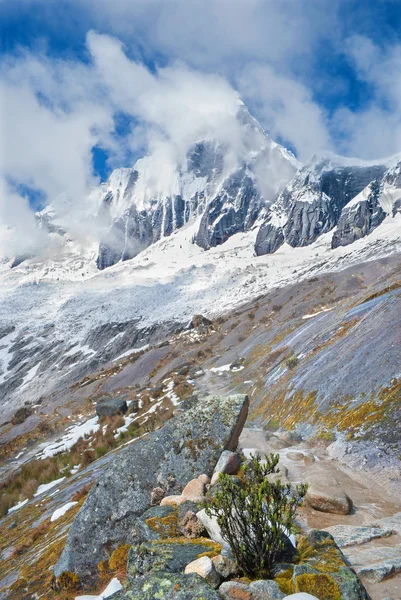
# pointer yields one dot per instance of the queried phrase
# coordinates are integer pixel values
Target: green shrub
(254, 517)
(292, 362)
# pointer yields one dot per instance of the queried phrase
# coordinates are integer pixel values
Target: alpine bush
(255, 517)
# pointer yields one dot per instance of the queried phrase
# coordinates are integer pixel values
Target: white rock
(211, 526)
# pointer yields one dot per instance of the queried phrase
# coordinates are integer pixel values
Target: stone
(171, 500)
(349, 535)
(171, 586)
(111, 407)
(340, 581)
(276, 444)
(205, 568)
(225, 566)
(169, 457)
(292, 437)
(325, 495)
(156, 496)
(234, 590)
(165, 555)
(191, 527)
(378, 571)
(204, 478)
(295, 456)
(265, 589)
(229, 462)
(211, 526)
(194, 490)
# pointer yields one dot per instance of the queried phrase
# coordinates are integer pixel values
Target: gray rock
(229, 462)
(378, 571)
(173, 556)
(111, 407)
(224, 565)
(234, 589)
(265, 589)
(168, 586)
(360, 218)
(348, 535)
(187, 445)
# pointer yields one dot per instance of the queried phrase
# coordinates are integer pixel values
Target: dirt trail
(371, 503)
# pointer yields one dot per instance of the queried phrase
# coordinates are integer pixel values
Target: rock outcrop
(311, 204)
(187, 445)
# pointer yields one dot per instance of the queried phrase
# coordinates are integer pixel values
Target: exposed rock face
(187, 445)
(359, 217)
(208, 183)
(205, 568)
(311, 203)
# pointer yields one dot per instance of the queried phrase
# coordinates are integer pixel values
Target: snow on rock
(17, 506)
(48, 486)
(113, 587)
(62, 510)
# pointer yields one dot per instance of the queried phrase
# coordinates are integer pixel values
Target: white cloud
(374, 129)
(287, 109)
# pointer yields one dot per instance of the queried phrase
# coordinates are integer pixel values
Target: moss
(284, 581)
(67, 581)
(320, 583)
(118, 560)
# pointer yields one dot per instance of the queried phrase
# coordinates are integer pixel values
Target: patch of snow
(113, 587)
(61, 511)
(323, 310)
(133, 351)
(221, 369)
(68, 440)
(17, 506)
(47, 486)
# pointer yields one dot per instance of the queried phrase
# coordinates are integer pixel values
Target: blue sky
(318, 74)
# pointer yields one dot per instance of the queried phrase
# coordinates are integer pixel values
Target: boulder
(171, 586)
(229, 462)
(172, 500)
(336, 579)
(234, 590)
(190, 525)
(224, 565)
(329, 499)
(265, 589)
(194, 490)
(295, 456)
(211, 526)
(292, 437)
(165, 555)
(349, 535)
(185, 446)
(205, 568)
(111, 407)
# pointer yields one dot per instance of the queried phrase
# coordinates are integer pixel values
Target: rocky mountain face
(327, 193)
(222, 188)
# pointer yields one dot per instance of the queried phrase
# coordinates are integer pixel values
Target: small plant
(21, 415)
(255, 517)
(292, 362)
